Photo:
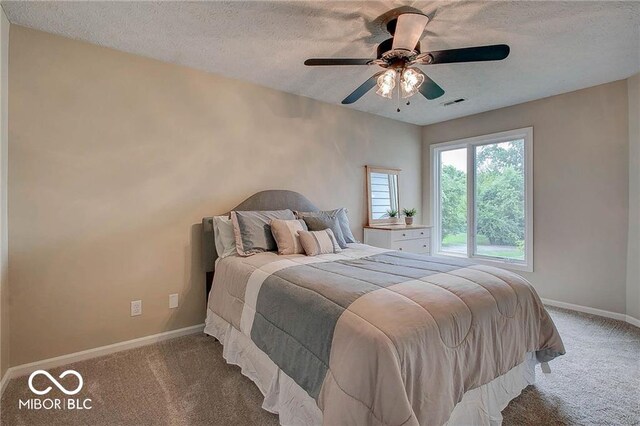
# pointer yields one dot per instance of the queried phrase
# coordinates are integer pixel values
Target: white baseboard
(4, 381)
(593, 311)
(633, 321)
(24, 369)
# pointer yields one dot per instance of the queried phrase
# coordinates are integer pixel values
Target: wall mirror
(382, 195)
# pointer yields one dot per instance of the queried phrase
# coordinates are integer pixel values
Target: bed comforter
(383, 337)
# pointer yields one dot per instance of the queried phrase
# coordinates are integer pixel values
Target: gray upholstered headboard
(274, 199)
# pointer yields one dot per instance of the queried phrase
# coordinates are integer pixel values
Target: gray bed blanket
(384, 337)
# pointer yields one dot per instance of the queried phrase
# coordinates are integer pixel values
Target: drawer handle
(404, 235)
(400, 248)
(422, 233)
(424, 245)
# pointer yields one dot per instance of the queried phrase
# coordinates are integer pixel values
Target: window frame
(526, 134)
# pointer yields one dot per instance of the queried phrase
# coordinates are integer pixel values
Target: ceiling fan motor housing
(386, 52)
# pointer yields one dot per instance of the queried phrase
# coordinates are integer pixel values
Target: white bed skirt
(283, 396)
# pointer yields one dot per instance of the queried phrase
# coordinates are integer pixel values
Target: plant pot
(408, 220)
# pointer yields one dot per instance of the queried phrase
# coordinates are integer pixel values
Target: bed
(374, 336)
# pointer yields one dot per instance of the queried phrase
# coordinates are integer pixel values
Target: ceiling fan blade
(336, 61)
(408, 31)
(364, 88)
(495, 52)
(430, 88)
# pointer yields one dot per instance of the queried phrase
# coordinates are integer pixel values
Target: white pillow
(224, 236)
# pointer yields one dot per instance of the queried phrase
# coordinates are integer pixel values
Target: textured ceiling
(556, 47)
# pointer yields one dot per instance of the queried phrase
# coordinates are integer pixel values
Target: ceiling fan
(400, 55)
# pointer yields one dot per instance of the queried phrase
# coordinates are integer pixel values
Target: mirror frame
(386, 170)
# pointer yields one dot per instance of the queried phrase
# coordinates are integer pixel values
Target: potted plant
(393, 214)
(408, 215)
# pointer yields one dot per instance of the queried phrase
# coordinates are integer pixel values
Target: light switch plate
(136, 308)
(173, 301)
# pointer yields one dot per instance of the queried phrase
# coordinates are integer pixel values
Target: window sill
(489, 262)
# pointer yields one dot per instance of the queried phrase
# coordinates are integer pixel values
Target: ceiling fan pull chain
(398, 96)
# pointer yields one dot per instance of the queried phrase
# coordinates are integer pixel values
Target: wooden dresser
(410, 238)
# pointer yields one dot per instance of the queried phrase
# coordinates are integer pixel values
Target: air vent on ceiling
(456, 101)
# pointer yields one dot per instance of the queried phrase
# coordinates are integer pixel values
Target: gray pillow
(252, 230)
(324, 221)
(343, 220)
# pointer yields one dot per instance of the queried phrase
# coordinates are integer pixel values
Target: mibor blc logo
(55, 403)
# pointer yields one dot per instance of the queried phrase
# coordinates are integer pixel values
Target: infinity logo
(55, 382)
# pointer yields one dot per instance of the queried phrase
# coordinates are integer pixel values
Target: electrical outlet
(136, 308)
(173, 301)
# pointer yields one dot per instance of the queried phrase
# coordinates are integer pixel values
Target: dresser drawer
(421, 245)
(409, 234)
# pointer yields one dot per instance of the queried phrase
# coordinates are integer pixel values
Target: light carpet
(185, 381)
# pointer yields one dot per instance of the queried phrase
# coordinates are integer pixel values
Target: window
(483, 198)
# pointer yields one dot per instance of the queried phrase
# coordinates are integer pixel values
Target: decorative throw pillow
(319, 242)
(223, 236)
(285, 232)
(252, 230)
(324, 221)
(343, 220)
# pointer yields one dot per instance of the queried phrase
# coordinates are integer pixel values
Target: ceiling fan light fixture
(410, 82)
(386, 83)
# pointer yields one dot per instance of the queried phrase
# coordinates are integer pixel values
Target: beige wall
(4, 236)
(580, 189)
(116, 158)
(633, 257)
